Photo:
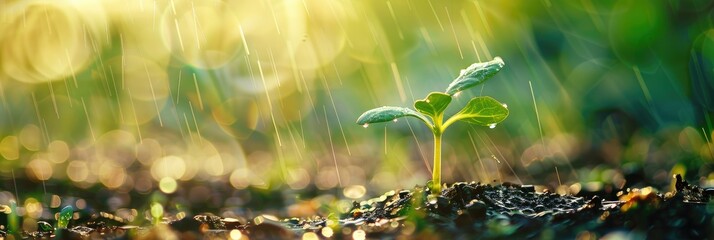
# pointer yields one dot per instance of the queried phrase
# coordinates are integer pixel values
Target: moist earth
(461, 210)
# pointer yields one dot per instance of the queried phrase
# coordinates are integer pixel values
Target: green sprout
(484, 111)
(13, 221)
(64, 217)
(157, 212)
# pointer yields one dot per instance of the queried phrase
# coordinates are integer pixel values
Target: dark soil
(461, 211)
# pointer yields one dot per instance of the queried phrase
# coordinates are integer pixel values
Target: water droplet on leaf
(457, 94)
(492, 126)
(395, 120)
(365, 125)
(505, 105)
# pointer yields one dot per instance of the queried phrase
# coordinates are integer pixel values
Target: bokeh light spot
(33, 208)
(31, 137)
(10, 148)
(236, 234)
(81, 203)
(112, 175)
(204, 34)
(39, 169)
(298, 178)
(327, 232)
(58, 151)
(240, 178)
(77, 170)
(310, 236)
(148, 150)
(168, 185)
(359, 235)
(33, 52)
(354, 191)
(169, 166)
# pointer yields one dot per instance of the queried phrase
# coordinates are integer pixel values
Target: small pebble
(476, 208)
(403, 194)
(528, 188)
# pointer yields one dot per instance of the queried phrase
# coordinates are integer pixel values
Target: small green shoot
(484, 111)
(43, 226)
(64, 217)
(13, 222)
(157, 212)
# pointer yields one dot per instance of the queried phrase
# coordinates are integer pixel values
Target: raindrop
(428, 101)
(365, 125)
(497, 160)
(505, 105)
(394, 120)
(492, 126)
(457, 94)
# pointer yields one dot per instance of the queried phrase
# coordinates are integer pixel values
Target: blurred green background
(181, 97)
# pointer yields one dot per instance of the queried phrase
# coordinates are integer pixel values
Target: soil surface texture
(462, 211)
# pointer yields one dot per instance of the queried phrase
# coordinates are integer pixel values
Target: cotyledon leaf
(43, 226)
(484, 111)
(64, 217)
(385, 114)
(434, 104)
(474, 75)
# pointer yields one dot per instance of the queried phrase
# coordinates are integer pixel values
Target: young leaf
(157, 212)
(434, 104)
(64, 217)
(43, 226)
(484, 111)
(385, 114)
(474, 75)
(13, 221)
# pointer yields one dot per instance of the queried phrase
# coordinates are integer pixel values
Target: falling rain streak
(453, 30)
(332, 147)
(198, 90)
(89, 123)
(535, 108)
(478, 156)
(270, 104)
(136, 118)
(153, 95)
(398, 81)
(195, 123)
(709, 143)
(54, 100)
(339, 123)
(499, 153)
